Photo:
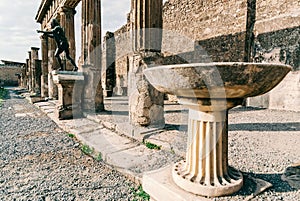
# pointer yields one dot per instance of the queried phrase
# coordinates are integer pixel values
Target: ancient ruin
(12, 73)
(182, 32)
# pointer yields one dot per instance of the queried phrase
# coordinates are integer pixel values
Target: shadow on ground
(288, 126)
(250, 185)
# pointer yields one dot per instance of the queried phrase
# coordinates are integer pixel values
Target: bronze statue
(58, 34)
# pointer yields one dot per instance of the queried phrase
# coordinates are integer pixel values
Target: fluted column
(67, 22)
(145, 103)
(91, 55)
(44, 76)
(35, 69)
(52, 64)
(147, 25)
(29, 64)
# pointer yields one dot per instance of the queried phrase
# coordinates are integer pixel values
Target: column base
(161, 187)
(68, 112)
(226, 185)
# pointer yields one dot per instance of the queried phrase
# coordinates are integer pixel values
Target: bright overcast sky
(18, 26)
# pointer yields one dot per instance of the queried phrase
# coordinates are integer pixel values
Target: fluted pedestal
(205, 170)
(209, 90)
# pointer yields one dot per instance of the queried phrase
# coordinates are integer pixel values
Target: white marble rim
(213, 64)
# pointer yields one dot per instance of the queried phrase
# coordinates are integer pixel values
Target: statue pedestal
(70, 86)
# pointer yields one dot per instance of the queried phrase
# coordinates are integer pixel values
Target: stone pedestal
(70, 85)
(146, 104)
(205, 170)
(92, 93)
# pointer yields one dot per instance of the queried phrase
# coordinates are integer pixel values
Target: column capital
(66, 10)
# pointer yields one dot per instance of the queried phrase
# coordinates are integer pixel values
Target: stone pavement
(119, 144)
(262, 143)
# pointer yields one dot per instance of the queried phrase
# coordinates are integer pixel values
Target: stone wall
(8, 75)
(123, 50)
(205, 19)
(217, 27)
(221, 30)
(277, 40)
(277, 31)
(286, 95)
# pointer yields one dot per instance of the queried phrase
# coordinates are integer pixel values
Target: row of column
(31, 74)
(145, 103)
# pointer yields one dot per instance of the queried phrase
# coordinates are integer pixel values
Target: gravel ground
(39, 161)
(262, 144)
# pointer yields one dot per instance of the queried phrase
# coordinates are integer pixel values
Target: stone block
(160, 186)
(70, 85)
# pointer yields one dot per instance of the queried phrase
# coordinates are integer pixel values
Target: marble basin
(210, 90)
(216, 80)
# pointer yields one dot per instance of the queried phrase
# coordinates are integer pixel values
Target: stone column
(52, 64)
(35, 65)
(108, 64)
(44, 76)
(29, 73)
(205, 170)
(67, 22)
(145, 103)
(91, 55)
(37, 75)
(147, 25)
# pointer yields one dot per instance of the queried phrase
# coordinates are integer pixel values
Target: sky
(18, 26)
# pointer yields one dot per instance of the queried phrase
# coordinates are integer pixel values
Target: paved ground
(262, 143)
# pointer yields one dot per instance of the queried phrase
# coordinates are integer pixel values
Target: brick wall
(205, 19)
(273, 15)
(217, 27)
(8, 75)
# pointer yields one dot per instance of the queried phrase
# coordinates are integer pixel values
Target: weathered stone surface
(92, 91)
(145, 102)
(217, 80)
(8, 75)
(70, 85)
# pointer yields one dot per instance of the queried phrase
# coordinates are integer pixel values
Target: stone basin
(214, 80)
(210, 90)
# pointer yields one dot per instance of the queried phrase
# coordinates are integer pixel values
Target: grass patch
(99, 157)
(140, 194)
(150, 145)
(87, 150)
(71, 135)
(3, 95)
